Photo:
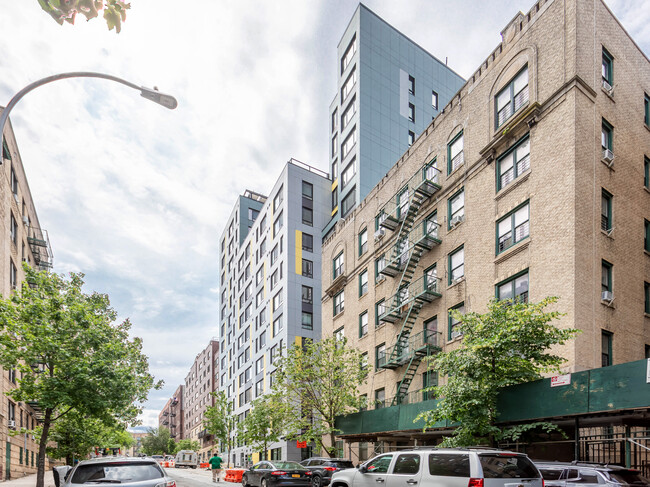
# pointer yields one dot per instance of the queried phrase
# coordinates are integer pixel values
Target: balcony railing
(425, 182)
(425, 289)
(423, 343)
(424, 236)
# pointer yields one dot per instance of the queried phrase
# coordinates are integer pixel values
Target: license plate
(296, 476)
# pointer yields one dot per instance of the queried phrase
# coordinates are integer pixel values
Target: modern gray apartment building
(388, 91)
(270, 285)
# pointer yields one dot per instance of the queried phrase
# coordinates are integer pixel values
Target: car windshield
(507, 466)
(288, 466)
(116, 472)
(342, 464)
(629, 477)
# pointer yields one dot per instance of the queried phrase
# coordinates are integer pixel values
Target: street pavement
(29, 481)
(200, 477)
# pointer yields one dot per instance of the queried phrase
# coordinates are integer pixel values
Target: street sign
(301, 444)
(560, 380)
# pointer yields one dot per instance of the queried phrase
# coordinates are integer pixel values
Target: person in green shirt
(215, 465)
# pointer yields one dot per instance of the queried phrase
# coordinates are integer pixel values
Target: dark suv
(322, 469)
(557, 474)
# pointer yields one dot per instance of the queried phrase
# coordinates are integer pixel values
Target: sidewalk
(29, 481)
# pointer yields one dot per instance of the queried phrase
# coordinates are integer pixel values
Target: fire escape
(39, 244)
(411, 242)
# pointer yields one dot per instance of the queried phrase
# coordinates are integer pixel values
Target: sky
(134, 195)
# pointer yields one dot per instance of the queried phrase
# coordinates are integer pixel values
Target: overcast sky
(135, 195)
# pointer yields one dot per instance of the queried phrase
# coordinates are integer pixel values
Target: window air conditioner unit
(455, 334)
(607, 296)
(456, 220)
(379, 234)
(380, 278)
(11, 423)
(16, 198)
(608, 88)
(26, 220)
(608, 157)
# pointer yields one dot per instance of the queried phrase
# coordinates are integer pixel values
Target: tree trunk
(332, 451)
(40, 472)
(69, 460)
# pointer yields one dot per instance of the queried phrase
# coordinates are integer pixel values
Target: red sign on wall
(301, 444)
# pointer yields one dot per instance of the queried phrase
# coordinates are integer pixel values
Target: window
(259, 365)
(334, 119)
(455, 153)
(275, 253)
(407, 464)
(364, 361)
(307, 242)
(14, 183)
(348, 143)
(339, 302)
(363, 283)
(646, 289)
(348, 202)
(307, 294)
(429, 379)
(335, 171)
(277, 201)
(607, 338)
(606, 211)
(456, 265)
(411, 112)
(6, 153)
(608, 70)
(431, 278)
(252, 214)
(259, 388)
(274, 278)
(307, 321)
(307, 190)
(456, 208)
(646, 172)
(515, 288)
(349, 84)
(263, 224)
(434, 100)
(14, 230)
(349, 112)
(307, 216)
(307, 268)
(348, 173)
(513, 228)
(13, 276)
(411, 85)
(277, 326)
(277, 300)
(363, 323)
(411, 138)
(277, 225)
(606, 277)
(606, 139)
(339, 334)
(335, 200)
(335, 146)
(431, 225)
(380, 309)
(349, 53)
(263, 316)
(431, 331)
(259, 275)
(363, 241)
(513, 163)
(380, 355)
(512, 97)
(646, 109)
(338, 265)
(453, 322)
(646, 239)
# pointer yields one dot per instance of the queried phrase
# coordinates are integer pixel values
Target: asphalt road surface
(188, 477)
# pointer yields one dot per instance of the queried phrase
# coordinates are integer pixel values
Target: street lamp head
(154, 95)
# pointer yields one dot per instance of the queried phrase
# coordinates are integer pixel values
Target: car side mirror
(362, 468)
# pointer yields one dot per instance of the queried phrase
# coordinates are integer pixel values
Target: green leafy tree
(70, 354)
(157, 441)
(67, 10)
(187, 444)
(318, 382)
(508, 345)
(265, 423)
(220, 422)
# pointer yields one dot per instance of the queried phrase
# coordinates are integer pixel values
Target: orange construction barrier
(165, 464)
(234, 474)
(204, 465)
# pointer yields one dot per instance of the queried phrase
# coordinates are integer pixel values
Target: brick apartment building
(171, 415)
(21, 240)
(532, 182)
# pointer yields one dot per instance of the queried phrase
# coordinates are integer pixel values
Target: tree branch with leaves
(67, 10)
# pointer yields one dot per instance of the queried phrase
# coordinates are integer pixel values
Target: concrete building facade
(22, 240)
(532, 182)
(270, 258)
(172, 414)
(200, 383)
(388, 91)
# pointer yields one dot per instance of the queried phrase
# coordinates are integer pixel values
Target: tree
(318, 382)
(265, 423)
(220, 422)
(67, 10)
(70, 354)
(157, 442)
(508, 345)
(187, 444)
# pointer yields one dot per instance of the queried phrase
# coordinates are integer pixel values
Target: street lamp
(154, 95)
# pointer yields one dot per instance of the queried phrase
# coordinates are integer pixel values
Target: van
(187, 459)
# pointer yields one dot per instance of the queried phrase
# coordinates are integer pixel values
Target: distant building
(171, 416)
(22, 240)
(136, 449)
(270, 254)
(200, 383)
(388, 91)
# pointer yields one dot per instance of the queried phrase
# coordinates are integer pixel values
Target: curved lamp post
(154, 95)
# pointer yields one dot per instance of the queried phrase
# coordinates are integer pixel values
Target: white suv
(443, 467)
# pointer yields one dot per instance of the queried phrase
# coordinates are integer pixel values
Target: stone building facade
(22, 240)
(532, 182)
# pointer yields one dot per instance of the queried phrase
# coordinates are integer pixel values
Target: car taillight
(475, 483)
(330, 469)
(171, 483)
(308, 472)
(278, 472)
(543, 484)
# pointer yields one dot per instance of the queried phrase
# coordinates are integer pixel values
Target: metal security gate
(617, 446)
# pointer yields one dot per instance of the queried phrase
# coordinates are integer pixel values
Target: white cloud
(135, 195)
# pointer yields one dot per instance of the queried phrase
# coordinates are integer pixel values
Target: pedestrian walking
(215, 465)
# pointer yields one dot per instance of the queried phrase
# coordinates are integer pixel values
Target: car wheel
(244, 481)
(316, 481)
(264, 483)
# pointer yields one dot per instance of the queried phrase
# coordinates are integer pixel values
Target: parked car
(159, 458)
(322, 469)
(463, 467)
(126, 471)
(559, 474)
(276, 473)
